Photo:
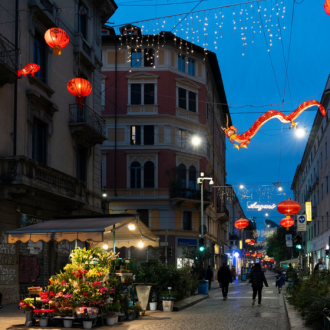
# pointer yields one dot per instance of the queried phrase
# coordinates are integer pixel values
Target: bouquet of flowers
(87, 312)
(26, 305)
(42, 313)
(35, 289)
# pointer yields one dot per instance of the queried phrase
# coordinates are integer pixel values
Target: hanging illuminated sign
(309, 211)
(260, 207)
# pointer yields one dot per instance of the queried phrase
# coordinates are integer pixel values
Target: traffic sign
(288, 240)
(302, 222)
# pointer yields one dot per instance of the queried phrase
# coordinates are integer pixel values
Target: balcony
(87, 123)
(44, 11)
(8, 53)
(223, 211)
(21, 177)
(191, 198)
(85, 53)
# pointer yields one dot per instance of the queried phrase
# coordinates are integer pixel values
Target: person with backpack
(280, 281)
(257, 279)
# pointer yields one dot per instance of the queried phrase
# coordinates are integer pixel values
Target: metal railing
(8, 53)
(190, 194)
(88, 116)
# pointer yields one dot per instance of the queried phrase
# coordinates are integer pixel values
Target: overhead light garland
(206, 27)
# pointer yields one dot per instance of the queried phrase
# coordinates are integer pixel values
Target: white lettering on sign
(261, 207)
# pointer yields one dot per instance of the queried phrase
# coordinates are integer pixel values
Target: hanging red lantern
(287, 222)
(250, 241)
(57, 39)
(80, 88)
(241, 224)
(288, 207)
(30, 68)
(259, 254)
(247, 254)
(327, 6)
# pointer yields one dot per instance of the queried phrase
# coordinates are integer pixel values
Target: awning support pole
(114, 240)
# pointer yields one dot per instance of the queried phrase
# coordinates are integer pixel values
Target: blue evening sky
(249, 80)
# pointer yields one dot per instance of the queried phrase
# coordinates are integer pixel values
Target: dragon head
(231, 132)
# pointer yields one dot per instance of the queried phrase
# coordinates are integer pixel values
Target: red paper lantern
(241, 224)
(248, 240)
(247, 254)
(287, 222)
(259, 254)
(57, 39)
(80, 88)
(327, 6)
(288, 207)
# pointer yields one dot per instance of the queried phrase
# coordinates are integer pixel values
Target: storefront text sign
(260, 207)
(309, 211)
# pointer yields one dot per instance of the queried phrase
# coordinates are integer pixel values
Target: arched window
(149, 175)
(136, 175)
(192, 177)
(182, 175)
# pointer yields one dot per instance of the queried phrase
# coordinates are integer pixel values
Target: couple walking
(257, 279)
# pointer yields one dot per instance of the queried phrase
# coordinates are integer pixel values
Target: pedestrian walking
(209, 275)
(319, 265)
(233, 272)
(257, 279)
(280, 281)
(224, 278)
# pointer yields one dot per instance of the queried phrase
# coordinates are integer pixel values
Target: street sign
(257, 260)
(288, 240)
(309, 211)
(302, 222)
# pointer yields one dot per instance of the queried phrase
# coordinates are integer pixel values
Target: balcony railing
(89, 118)
(8, 54)
(188, 193)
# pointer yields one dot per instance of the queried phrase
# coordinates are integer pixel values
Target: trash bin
(203, 287)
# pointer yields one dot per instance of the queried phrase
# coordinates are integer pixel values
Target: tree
(276, 246)
(199, 258)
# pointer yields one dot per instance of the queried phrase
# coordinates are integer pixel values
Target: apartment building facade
(157, 99)
(50, 154)
(311, 183)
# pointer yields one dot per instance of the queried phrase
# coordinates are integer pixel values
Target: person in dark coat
(209, 275)
(257, 279)
(233, 272)
(224, 277)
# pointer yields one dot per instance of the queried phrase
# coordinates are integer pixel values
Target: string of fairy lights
(206, 27)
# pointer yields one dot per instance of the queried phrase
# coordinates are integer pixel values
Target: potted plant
(110, 315)
(168, 300)
(137, 309)
(43, 315)
(35, 289)
(116, 307)
(153, 302)
(27, 306)
(130, 315)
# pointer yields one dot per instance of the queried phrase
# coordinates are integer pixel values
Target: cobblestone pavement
(235, 313)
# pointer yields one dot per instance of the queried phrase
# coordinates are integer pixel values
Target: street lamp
(200, 181)
(301, 132)
(196, 140)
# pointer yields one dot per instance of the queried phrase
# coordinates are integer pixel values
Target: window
(322, 225)
(315, 233)
(39, 141)
(318, 196)
(182, 175)
(191, 66)
(149, 175)
(208, 151)
(136, 135)
(327, 220)
(149, 57)
(81, 162)
(135, 175)
(187, 220)
(326, 150)
(322, 190)
(136, 94)
(182, 63)
(192, 178)
(149, 134)
(39, 56)
(182, 138)
(82, 21)
(144, 216)
(182, 98)
(192, 102)
(136, 58)
(318, 227)
(149, 93)
(321, 158)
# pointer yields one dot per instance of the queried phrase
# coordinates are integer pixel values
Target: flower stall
(93, 287)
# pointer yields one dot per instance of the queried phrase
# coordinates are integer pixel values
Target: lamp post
(200, 181)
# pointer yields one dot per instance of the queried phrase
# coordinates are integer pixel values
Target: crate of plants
(35, 290)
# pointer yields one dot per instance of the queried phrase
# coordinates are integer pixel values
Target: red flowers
(64, 283)
(79, 273)
(86, 293)
(95, 284)
(51, 294)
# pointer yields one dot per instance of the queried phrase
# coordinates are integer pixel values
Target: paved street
(236, 313)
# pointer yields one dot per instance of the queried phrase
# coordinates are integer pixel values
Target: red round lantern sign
(287, 222)
(80, 88)
(247, 254)
(259, 254)
(57, 39)
(288, 207)
(327, 6)
(241, 224)
(248, 240)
